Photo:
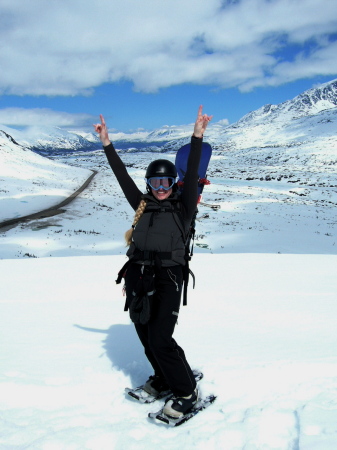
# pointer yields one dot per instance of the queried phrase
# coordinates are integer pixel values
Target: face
(161, 194)
(161, 187)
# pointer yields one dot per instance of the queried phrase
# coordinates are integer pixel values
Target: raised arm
(190, 191)
(129, 187)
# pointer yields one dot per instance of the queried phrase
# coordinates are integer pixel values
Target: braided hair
(138, 215)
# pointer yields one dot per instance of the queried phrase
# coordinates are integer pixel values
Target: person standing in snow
(156, 252)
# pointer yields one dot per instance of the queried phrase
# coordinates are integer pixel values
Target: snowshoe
(176, 407)
(148, 396)
(201, 404)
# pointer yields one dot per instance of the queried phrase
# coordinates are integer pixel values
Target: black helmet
(161, 168)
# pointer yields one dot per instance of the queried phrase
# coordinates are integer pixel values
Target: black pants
(166, 357)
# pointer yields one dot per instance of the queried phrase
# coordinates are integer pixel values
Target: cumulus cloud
(71, 47)
(223, 122)
(43, 117)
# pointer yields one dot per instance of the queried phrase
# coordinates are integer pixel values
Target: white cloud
(43, 117)
(223, 122)
(320, 61)
(70, 47)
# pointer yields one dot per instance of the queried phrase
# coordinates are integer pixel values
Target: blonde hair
(138, 215)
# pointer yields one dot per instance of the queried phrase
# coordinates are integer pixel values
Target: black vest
(161, 230)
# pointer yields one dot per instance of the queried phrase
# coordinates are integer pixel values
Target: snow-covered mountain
(299, 133)
(306, 118)
(52, 140)
(309, 103)
(160, 135)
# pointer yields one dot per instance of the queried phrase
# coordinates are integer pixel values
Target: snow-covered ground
(256, 216)
(261, 323)
(262, 328)
(30, 183)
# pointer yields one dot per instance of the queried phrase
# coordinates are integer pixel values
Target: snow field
(261, 328)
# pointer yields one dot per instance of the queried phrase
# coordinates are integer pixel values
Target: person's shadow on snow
(123, 348)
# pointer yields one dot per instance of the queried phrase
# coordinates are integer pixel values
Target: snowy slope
(30, 183)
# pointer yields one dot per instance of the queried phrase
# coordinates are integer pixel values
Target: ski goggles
(157, 183)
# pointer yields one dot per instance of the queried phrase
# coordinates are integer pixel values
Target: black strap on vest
(186, 273)
(157, 257)
(154, 257)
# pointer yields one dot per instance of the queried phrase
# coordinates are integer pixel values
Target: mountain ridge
(316, 103)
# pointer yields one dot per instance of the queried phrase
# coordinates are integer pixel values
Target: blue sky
(144, 64)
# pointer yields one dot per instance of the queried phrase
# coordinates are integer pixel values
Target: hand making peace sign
(201, 123)
(102, 130)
